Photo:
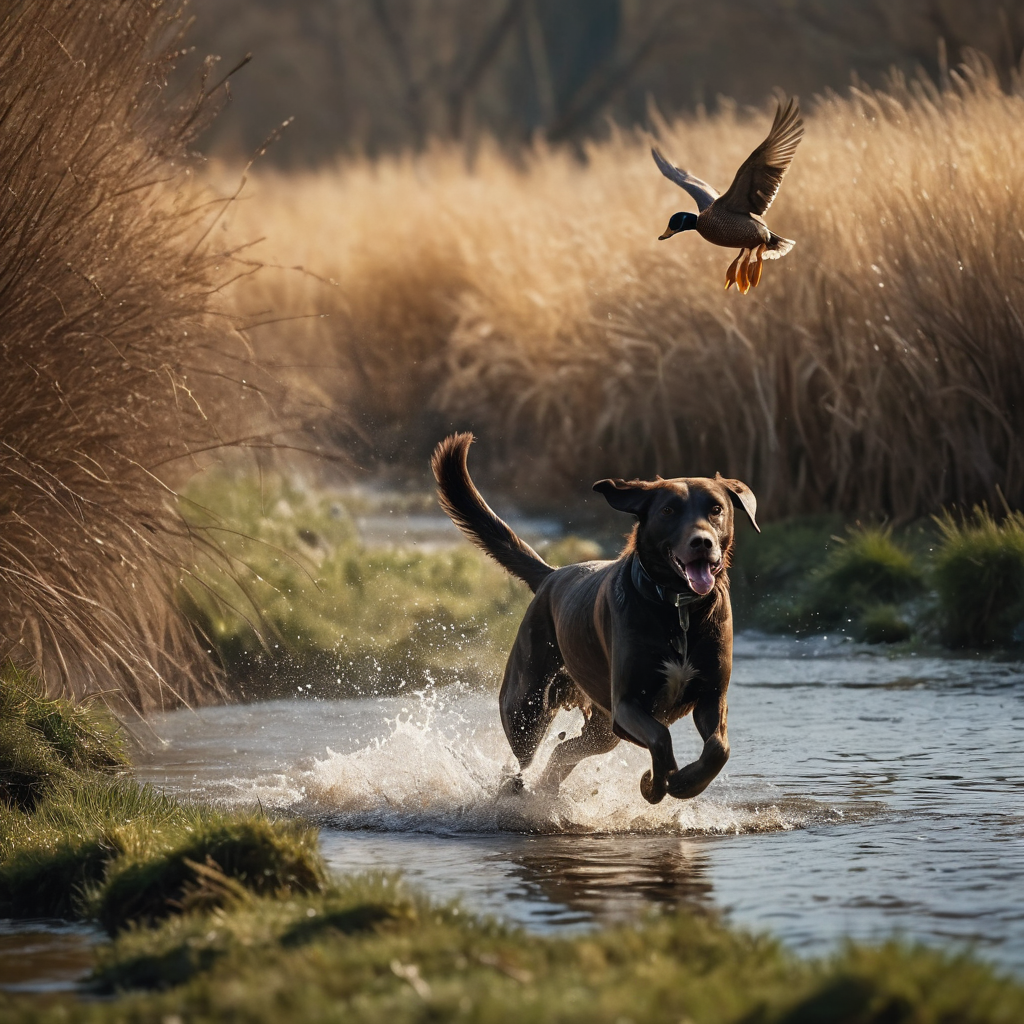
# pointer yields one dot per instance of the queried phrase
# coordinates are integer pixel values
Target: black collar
(655, 592)
(652, 591)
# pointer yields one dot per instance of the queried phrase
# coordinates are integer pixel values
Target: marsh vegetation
(113, 369)
(877, 371)
(152, 316)
(524, 296)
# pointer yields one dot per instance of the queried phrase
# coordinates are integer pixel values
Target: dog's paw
(652, 793)
(511, 785)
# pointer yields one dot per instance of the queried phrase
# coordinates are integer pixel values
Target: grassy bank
(957, 582)
(217, 916)
(298, 599)
(307, 603)
(371, 951)
(80, 839)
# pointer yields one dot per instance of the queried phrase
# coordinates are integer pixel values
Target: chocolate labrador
(637, 642)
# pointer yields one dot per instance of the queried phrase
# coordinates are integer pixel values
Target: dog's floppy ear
(625, 495)
(741, 496)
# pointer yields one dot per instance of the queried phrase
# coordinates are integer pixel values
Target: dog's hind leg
(531, 691)
(596, 738)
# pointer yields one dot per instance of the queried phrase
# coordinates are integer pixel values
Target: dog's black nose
(701, 541)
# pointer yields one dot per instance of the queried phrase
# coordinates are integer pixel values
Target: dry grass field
(879, 368)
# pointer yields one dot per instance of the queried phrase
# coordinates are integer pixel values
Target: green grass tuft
(800, 575)
(216, 864)
(77, 840)
(979, 576)
(121, 852)
(865, 569)
(42, 740)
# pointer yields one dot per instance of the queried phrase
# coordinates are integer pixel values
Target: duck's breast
(731, 229)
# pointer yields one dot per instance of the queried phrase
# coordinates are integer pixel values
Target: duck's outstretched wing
(701, 191)
(757, 182)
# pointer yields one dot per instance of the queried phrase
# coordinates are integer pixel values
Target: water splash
(440, 766)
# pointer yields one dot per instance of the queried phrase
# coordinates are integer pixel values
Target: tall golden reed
(112, 369)
(879, 368)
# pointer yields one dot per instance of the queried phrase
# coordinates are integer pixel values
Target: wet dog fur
(606, 636)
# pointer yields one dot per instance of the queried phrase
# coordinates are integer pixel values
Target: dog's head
(685, 527)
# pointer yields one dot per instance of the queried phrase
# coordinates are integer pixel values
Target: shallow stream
(866, 795)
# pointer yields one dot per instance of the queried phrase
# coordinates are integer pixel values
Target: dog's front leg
(709, 715)
(633, 723)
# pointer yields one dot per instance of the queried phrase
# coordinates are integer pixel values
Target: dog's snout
(702, 542)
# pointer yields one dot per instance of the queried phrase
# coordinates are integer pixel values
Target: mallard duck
(735, 219)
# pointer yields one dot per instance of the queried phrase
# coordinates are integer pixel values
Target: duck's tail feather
(777, 247)
(474, 517)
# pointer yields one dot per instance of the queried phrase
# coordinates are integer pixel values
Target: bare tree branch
(478, 66)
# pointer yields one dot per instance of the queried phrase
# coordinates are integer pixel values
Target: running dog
(637, 643)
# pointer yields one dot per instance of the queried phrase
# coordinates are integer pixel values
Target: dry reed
(880, 367)
(110, 364)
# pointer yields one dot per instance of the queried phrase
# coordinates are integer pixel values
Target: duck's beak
(668, 234)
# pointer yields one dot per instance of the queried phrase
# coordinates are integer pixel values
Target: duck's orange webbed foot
(730, 274)
(755, 272)
(742, 272)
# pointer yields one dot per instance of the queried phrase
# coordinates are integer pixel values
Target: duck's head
(679, 222)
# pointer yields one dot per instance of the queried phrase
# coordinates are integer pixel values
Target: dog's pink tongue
(698, 575)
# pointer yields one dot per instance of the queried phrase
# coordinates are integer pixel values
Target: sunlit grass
(79, 838)
(307, 603)
(114, 366)
(43, 741)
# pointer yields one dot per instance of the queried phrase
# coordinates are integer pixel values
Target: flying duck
(735, 219)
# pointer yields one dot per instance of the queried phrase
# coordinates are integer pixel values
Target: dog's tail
(475, 518)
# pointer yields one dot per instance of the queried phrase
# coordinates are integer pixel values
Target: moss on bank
(45, 741)
(958, 582)
(370, 950)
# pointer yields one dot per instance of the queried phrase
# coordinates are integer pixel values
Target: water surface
(866, 795)
(45, 956)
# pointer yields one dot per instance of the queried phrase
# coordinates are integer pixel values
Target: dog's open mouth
(699, 574)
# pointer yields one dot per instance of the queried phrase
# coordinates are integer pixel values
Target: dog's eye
(717, 510)
(668, 510)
